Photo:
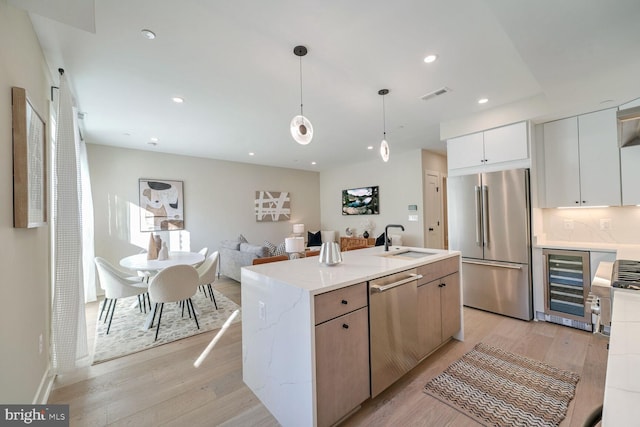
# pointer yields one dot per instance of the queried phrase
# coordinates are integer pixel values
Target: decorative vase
(152, 251)
(164, 252)
(365, 234)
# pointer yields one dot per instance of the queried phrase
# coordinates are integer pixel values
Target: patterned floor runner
(127, 334)
(499, 388)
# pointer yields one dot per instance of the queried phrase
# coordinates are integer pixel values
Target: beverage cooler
(567, 283)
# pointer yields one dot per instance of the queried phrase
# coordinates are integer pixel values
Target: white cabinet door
(630, 158)
(506, 143)
(562, 163)
(599, 159)
(465, 151)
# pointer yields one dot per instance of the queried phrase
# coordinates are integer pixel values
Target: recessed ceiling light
(483, 100)
(430, 58)
(153, 139)
(252, 153)
(177, 99)
(370, 147)
(148, 34)
(313, 163)
(153, 143)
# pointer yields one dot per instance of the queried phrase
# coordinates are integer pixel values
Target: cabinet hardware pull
(345, 326)
(344, 301)
(382, 288)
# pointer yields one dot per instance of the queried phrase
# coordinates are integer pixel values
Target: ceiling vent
(435, 93)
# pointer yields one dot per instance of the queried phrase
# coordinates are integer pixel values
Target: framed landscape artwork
(29, 163)
(361, 201)
(161, 205)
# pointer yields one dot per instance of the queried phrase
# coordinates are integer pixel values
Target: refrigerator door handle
(494, 264)
(485, 215)
(478, 216)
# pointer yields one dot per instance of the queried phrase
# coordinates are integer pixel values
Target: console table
(349, 242)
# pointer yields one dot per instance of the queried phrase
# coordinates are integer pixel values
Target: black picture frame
(361, 201)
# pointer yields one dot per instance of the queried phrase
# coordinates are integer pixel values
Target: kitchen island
(308, 330)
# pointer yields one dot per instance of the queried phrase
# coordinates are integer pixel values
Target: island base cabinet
(438, 312)
(342, 365)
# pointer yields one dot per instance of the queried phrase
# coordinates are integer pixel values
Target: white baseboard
(44, 390)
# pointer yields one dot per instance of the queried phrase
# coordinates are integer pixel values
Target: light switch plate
(413, 217)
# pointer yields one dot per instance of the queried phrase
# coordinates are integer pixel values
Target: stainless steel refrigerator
(490, 223)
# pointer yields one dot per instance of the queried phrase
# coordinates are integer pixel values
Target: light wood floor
(161, 387)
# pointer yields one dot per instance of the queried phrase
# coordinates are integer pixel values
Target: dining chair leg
(194, 312)
(113, 309)
(213, 298)
(182, 306)
(104, 304)
(153, 319)
(108, 309)
(159, 317)
(139, 304)
(188, 307)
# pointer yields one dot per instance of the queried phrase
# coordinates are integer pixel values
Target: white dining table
(139, 262)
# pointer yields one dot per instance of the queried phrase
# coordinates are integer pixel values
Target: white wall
(25, 284)
(218, 199)
(400, 182)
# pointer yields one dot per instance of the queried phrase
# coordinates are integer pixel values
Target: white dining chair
(117, 284)
(177, 283)
(204, 252)
(207, 273)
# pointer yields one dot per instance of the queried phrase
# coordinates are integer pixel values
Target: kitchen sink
(409, 254)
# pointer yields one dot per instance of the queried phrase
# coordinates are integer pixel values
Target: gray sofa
(235, 254)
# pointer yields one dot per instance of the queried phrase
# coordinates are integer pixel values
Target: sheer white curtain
(86, 203)
(69, 349)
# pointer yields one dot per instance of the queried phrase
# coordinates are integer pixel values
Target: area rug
(499, 388)
(128, 336)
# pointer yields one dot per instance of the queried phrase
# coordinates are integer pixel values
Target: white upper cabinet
(581, 160)
(492, 147)
(630, 159)
(506, 143)
(599, 159)
(562, 162)
(465, 151)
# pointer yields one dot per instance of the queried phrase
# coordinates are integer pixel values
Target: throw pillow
(273, 249)
(314, 239)
(380, 240)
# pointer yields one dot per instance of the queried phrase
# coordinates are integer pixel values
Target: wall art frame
(161, 205)
(29, 162)
(272, 206)
(361, 201)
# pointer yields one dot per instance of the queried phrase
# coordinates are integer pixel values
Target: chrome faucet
(386, 240)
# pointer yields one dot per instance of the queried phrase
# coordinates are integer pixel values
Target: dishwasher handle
(382, 288)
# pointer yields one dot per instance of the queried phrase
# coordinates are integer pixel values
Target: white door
(433, 211)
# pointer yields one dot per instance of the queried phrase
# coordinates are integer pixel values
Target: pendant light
(384, 145)
(300, 127)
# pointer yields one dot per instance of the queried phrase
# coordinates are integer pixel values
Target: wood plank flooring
(162, 387)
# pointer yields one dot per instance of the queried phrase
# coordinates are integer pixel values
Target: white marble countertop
(357, 266)
(622, 386)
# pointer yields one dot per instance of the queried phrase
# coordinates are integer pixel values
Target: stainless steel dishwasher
(393, 333)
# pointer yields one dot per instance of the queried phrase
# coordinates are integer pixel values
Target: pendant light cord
(301, 113)
(384, 120)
